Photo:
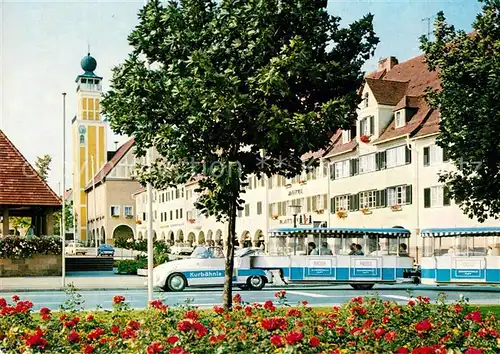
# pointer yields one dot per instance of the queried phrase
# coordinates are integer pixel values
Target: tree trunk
(227, 295)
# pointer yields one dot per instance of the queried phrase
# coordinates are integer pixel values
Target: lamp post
(295, 211)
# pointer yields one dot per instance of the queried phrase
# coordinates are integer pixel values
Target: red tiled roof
(414, 123)
(407, 102)
(20, 184)
(337, 147)
(387, 92)
(108, 167)
(431, 125)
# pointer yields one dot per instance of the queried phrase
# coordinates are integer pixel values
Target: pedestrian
(311, 246)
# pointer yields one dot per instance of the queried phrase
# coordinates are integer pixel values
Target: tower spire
(88, 48)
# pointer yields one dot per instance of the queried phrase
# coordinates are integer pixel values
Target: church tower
(89, 140)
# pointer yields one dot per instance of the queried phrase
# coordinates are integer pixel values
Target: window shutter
(426, 156)
(325, 201)
(354, 166)
(314, 203)
(332, 171)
(351, 202)
(308, 203)
(377, 161)
(408, 155)
(353, 132)
(446, 156)
(332, 205)
(408, 194)
(356, 200)
(372, 125)
(427, 197)
(446, 196)
(383, 199)
(382, 159)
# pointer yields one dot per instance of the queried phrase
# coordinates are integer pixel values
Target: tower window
(82, 139)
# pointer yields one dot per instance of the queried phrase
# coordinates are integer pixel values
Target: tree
(227, 89)
(469, 104)
(68, 219)
(42, 166)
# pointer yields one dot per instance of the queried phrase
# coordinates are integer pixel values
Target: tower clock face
(82, 129)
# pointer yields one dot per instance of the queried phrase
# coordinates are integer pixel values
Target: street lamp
(295, 211)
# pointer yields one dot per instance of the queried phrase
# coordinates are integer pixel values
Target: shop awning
(340, 232)
(461, 231)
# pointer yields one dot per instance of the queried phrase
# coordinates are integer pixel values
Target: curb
(285, 287)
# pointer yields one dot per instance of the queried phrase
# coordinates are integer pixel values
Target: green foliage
(15, 247)
(68, 219)
(130, 266)
(42, 166)
(469, 104)
(20, 223)
(75, 301)
(227, 89)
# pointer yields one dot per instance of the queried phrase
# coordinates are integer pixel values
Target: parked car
(182, 248)
(76, 248)
(105, 250)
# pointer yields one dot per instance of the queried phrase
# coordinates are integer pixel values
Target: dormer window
(400, 119)
(366, 99)
(346, 136)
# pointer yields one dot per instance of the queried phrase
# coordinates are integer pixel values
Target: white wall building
(381, 173)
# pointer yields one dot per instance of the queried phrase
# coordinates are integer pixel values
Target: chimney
(387, 64)
(116, 145)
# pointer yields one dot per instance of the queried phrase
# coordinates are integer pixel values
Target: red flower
(118, 299)
(90, 317)
(466, 333)
(178, 350)
(358, 300)
(218, 309)
(385, 319)
(304, 303)
(402, 351)
(276, 340)
(274, 323)
(36, 340)
(172, 339)
(95, 334)
(379, 332)
(237, 298)
(73, 337)
(423, 325)
(268, 305)
(280, 294)
(364, 138)
(62, 317)
(88, 349)
(294, 337)
(15, 298)
(215, 339)
(390, 336)
(293, 313)
(158, 304)
(473, 351)
(458, 308)
(314, 342)
(248, 311)
(185, 325)
(474, 316)
(44, 311)
(3, 302)
(133, 324)
(191, 315)
(154, 348)
(411, 303)
(115, 329)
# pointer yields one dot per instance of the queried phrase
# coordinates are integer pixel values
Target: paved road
(207, 298)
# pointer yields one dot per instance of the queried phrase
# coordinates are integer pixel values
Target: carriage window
(428, 247)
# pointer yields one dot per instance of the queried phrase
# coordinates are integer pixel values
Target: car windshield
(207, 252)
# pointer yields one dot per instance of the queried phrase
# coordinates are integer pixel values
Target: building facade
(383, 172)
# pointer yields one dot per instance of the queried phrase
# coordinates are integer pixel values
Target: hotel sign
(295, 192)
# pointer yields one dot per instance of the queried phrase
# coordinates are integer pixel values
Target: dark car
(105, 250)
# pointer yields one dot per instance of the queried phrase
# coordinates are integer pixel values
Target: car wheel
(362, 286)
(176, 282)
(256, 282)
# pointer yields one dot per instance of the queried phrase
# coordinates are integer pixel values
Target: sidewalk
(84, 281)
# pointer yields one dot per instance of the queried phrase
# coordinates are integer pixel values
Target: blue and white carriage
(461, 256)
(385, 260)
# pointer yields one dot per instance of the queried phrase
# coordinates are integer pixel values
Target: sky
(42, 43)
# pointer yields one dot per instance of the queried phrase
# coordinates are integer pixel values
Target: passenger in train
(403, 250)
(353, 249)
(324, 250)
(311, 246)
(211, 243)
(359, 250)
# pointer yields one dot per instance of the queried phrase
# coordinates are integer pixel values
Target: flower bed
(364, 325)
(15, 247)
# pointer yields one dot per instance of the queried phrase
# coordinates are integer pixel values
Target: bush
(130, 266)
(362, 326)
(15, 247)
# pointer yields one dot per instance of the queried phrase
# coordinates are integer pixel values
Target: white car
(205, 267)
(182, 248)
(75, 248)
